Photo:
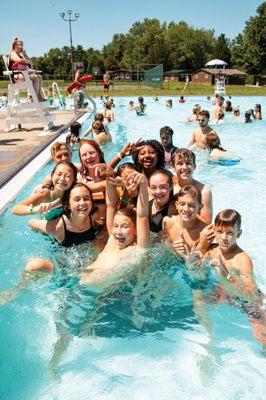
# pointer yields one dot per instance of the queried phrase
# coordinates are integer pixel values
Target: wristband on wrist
(119, 155)
(31, 208)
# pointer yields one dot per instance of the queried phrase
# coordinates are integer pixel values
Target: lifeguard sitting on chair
(79, 80)
(20, 61)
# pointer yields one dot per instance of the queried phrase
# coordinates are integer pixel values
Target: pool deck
(18, 147)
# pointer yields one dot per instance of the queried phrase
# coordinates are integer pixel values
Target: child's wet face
(184, 168)
(166, 139)
(147, 158)
(88, 155)
(63, 154)
(160, 188)
(62, 177)
(124, 231)
(187, 207)
(80, 201)
(226, 236)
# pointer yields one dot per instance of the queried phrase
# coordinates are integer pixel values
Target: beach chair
(19, 112)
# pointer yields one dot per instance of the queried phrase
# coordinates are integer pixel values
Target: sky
(39, 25)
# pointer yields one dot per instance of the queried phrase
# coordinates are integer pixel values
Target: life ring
(20, 65)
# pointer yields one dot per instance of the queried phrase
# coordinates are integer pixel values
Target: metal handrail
(55, 89)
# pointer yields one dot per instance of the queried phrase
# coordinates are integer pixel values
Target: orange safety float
(75, 85)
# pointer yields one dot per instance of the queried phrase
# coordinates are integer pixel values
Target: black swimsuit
(156, 220)
(72, 238)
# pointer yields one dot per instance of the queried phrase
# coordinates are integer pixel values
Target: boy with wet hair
(234, 270)
(166, 136)
(199, 135)
(185, 231)
(60, 152)
(229, 260)
(184, 164)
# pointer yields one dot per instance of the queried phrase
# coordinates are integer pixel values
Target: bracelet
(31, 208)
(119, 155)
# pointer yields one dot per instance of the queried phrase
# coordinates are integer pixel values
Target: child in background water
(73, 137)
(166, 136)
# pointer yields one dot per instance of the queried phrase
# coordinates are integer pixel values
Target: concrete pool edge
(19, 174)
(11, 171)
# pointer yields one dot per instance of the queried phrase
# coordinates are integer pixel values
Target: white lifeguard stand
(219, 77)
(19, 112)
(220, 85)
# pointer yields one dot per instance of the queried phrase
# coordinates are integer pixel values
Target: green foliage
(176, 46)
(249, 49)
(222, 49)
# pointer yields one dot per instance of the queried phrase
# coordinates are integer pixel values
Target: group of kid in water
(154, 195)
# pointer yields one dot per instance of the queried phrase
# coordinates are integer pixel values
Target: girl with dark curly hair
(148, 157)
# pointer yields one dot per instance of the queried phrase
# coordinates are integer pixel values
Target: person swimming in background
(257, 112)
(73, 138)
(130, 105)
(198, 138)
(195, 113)
(220, 119)
(107, 113)
(48, 202)
(216, 152)
(101, 133)
(248, 116)
(169, 103)
(98, 117)
(236, 113)
(181, 99)
(228, 106)
(140, 108)
(155, 98)
(166, 136)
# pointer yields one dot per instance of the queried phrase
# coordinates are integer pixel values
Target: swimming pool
(141, 340)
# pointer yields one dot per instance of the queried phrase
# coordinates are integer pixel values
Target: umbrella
(215, 62)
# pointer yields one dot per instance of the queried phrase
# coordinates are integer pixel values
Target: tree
(113, 52)
(189, 48)
(251, 46)
(146, 43)
(237, 59)
(222, 49)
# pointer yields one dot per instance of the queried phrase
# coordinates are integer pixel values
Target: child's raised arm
(143, 229)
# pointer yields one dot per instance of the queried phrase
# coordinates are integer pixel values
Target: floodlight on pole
(70, 20)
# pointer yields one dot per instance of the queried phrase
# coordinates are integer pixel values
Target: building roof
(176, 71)
(224, 71)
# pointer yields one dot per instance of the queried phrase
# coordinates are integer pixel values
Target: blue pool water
(142, 340)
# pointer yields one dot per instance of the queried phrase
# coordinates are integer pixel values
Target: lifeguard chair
(220, 85)
(19, 112)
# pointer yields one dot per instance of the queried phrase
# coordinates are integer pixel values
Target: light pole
(69, 20)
